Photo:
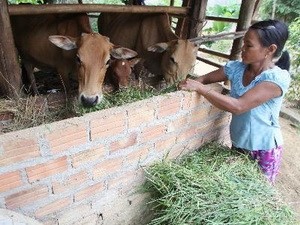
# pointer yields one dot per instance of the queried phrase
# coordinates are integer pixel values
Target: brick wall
(87, 170)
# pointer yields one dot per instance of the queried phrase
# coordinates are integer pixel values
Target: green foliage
(293, 45)
(214, 185)
(229, 11)
(284, 10)
(293, 94)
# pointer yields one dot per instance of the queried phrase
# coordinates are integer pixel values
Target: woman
(257, 90)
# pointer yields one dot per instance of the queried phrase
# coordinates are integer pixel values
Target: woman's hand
(191, 85)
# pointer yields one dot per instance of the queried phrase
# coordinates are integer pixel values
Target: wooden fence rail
(25, 9)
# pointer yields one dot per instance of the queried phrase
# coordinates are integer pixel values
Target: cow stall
(88, 169)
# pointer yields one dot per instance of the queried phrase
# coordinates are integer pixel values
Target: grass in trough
(30, 112)
(213, 186)
(124, 96)
(33, 111)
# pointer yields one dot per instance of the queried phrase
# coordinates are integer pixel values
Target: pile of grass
(124, 96)
(213, 186)
(34, 111)
(31, 112)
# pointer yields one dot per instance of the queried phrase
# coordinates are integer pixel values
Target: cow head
(92, 58)
(120, 72)
(178, 59)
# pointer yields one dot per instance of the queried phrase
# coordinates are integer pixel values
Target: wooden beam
(215, 53)
(81, 8)
(209, 62)
(10, 72)
(222, 19)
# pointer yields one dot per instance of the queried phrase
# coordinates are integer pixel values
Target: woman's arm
(212, 77)
(251, 99)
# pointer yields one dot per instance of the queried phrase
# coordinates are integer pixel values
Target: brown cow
(72, 50)
(150, 35)
(119, 74)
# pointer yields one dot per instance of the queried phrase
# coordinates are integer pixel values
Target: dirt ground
(288, 180)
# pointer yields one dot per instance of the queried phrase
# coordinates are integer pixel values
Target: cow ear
(64, 42)
(122, 53)
(159, 47)
(134, 61)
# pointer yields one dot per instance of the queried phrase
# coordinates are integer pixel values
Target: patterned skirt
(268, 160)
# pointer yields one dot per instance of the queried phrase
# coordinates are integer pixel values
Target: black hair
(274, 32)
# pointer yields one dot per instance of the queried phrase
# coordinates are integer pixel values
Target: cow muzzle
(90, 101)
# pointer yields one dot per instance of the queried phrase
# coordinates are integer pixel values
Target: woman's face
(252, 50)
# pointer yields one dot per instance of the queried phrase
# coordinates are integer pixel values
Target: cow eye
(78, 60)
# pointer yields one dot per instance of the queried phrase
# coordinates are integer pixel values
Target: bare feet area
(288, 180)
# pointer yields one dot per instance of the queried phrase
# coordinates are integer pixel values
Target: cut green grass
(213, 186)
(125, 96)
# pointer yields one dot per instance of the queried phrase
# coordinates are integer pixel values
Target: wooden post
(245, 18)
(182, 24)
(198, 13)
(10, 72)
(256, 9)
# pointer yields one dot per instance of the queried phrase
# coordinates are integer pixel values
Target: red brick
(166, 144)
(169, 106)
(53, 207)
(18, 150)
(70, 183)
(64, 139)
(203, 128)
(27, 197)
(126, 142)
(139, 154)
(88, 156)
(121, 181)
(187, 134)
(151, 133)
(178, 124)
(90, 191)
(140, 116)
(107, 167)
(10, 181)
(192, 100)
(176, 152)
(199, 115)
(108, 126)
(45, 170)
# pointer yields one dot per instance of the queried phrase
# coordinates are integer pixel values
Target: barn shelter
(191, 19)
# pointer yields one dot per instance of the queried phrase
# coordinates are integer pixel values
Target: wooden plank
(10, 73)
(81, 8)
